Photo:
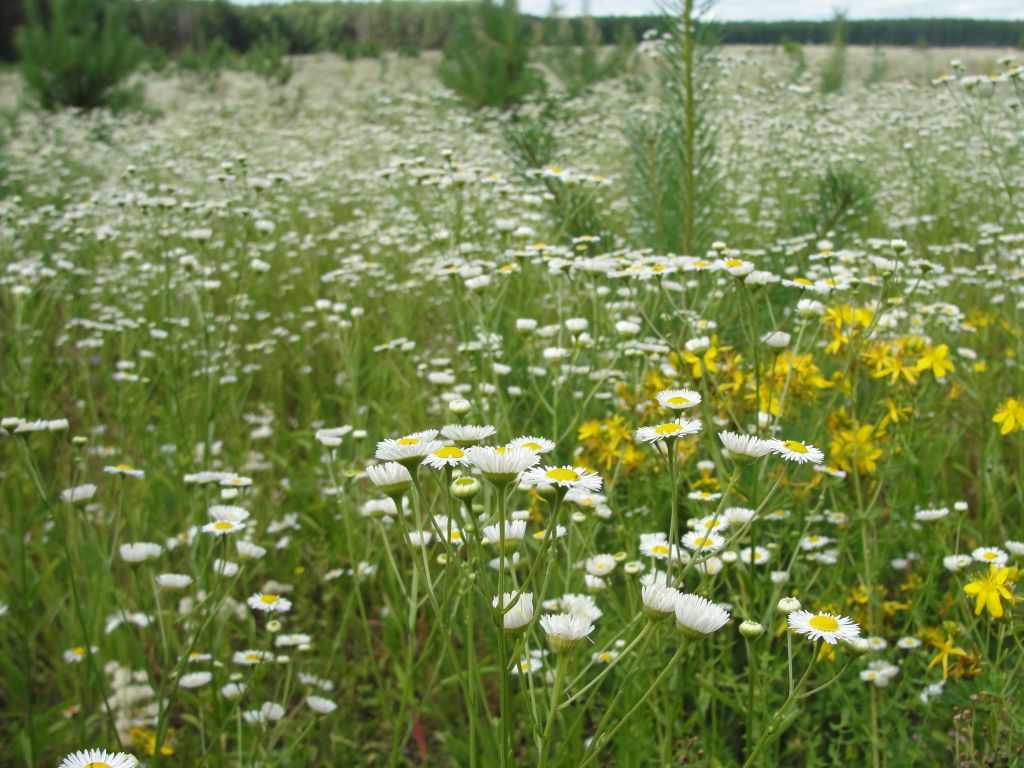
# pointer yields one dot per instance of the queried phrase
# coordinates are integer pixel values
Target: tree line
(173, 26)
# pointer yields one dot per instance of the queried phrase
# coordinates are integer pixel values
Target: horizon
(774, 10)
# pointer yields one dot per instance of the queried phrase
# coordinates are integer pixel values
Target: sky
(749, 10)
(777, 10)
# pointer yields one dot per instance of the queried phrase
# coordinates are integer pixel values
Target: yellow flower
(936, 360)
(989, 590)
(946, 649)
(1010, 416)
(855, 446)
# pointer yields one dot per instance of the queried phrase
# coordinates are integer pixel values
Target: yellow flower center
(803, 281)
(733, 262)
(532, 446)
(223, 525)
(678, 400)
(78, 651)
(252, 657)
(97, 765)
(989, 555)
(269, 599)
(456, 535)
(450, 452)
(667, 429)
(659, 549)
(407, 441)
(704, 541)
(795, 446)
(560, 475)
(124, 468)
(824, 623)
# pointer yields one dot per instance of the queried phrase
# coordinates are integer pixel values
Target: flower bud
(751, 629)
(460, 406)
(465, 488)
(789, 604)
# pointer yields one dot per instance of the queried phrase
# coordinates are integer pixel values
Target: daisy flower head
(410, 450)
(392, 478)
(659, 600)
(125, 469)
(796, 451)
(823, 626)
(565, 631)
(535, 444)
(78, 493)
(655, 545)
(744, 449)
(195, 679)
(515, 616)
(77, 654)
(269, 603)
(670, 430)
(446, 456)
(501, 466)
(320, 705)
(98, 758)
(564, 478)
(705, 541)
(140, 551)
(697, 617)
(223, 527)
(465, 435)
(990, 555)
(678, 399)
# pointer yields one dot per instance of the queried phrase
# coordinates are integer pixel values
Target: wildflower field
(346, 426)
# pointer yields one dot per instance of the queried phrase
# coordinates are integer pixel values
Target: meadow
(346, 426)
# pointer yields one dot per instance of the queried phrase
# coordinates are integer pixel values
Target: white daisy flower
(320, 705)
(390, 477)
(697, 616)
(565, 631)
(138, 552)
(991, 555)
(98, 758)
(744, 447)
(823, 626)
(514, 616)
(678, 399)
(564, 477)
(467, 434)
(501, 465)
(195, 679)
(794, 450)
(269, 603)
(535, 444)
(670, 430)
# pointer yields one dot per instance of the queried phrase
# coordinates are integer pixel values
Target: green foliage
(487, 62)
(365, 50)
(534, 148)
(207, 63)
(879, 67)
(834, 73)
(579, 66)
(843, 196)
(675, 178)
(77, 53)
(269, 59)
(797, 60)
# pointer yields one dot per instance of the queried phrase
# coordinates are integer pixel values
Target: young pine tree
(77, 53)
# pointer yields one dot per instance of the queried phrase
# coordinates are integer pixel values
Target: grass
(201, 292)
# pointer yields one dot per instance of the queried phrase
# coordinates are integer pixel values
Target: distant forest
(172, 26)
